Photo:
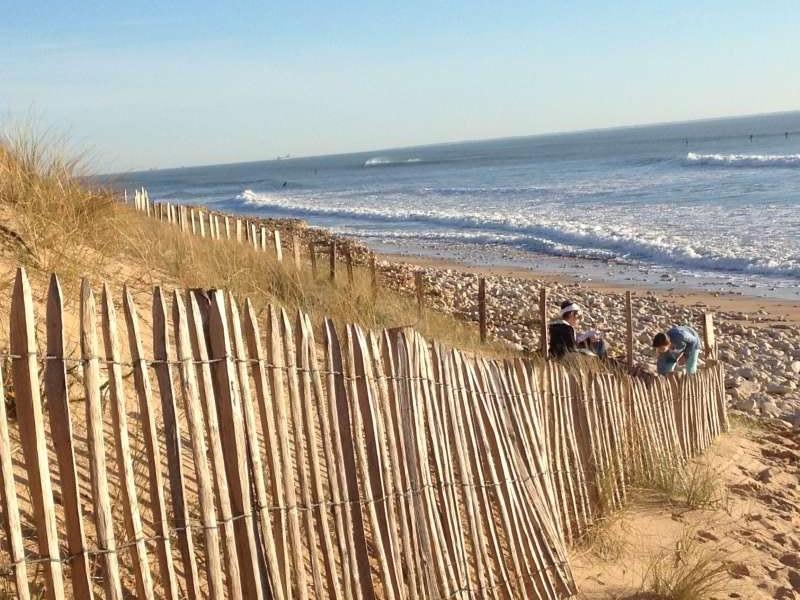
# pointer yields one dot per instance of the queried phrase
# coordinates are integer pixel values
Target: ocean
(706, 204)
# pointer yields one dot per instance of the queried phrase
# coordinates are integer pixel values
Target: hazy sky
(184, 83)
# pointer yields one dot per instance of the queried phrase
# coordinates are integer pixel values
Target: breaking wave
(382, 161)
(744, 160)
(545, 234)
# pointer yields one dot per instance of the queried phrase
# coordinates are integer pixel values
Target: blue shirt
(666, 363)
(683, 338)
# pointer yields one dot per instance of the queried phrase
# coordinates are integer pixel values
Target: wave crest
(744, 160)
(382, 161)
(549, 235)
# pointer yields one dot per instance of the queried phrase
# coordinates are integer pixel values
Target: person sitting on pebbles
(562, 330)
(680, 344)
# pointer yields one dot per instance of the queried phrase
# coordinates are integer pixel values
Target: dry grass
(56, 221)
(694, 486)
(60, 223)
(606, 538)
(689, 572)
(747, 423)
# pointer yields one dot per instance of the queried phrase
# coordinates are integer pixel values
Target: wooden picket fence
(273, 460)
(214, 225)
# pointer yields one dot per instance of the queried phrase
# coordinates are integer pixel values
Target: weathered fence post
(276, 236)
(628, 330)
(25, 370)
(98, 470)
(11, 518)
(709, 337)
(296, 250)
(312, 253)
(144, 393)
(132, 517)
(194, 416)
(349, 262)
(232, 436)
(373, 276)
(332, 260)
(172, 441)
(544, 338)
(420, 285)
(482, 307)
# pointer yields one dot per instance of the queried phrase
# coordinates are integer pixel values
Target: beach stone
(765, 476)
(795, 367)
(747, 405)
(791, 559)
(746, 373)
(745, 389)
(733, 382)
(784, 593)
(778, 389)
(794, 579)
(738, 570)
(769, 408)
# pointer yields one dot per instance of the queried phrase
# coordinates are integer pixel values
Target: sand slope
(754, 530)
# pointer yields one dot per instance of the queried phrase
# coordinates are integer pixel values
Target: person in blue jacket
(679, 343)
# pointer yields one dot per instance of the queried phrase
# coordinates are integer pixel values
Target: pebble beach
(759, 346)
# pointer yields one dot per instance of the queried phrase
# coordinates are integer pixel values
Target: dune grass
(688, 572)
(56, 219)
(695, 485)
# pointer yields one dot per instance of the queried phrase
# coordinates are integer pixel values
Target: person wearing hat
(562, 330)
(679, 343)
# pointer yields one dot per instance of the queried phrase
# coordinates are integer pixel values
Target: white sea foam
(382, 161)
(744, 160)
(666, 235)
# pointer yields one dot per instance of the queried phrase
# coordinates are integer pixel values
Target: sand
(752, 529)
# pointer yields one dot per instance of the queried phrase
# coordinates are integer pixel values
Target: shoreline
(629, 274)
(756, 337)
(777, 309)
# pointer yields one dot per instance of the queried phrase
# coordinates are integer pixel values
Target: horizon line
(454, 142)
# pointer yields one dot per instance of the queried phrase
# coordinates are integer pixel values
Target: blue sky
(159, 84)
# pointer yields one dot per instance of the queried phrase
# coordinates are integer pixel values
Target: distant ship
(284, 157)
